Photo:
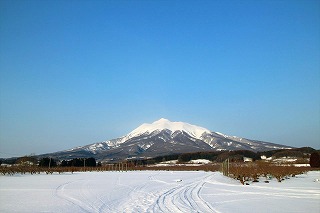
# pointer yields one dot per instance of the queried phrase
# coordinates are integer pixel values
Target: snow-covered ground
(156, 191)
(197, 162)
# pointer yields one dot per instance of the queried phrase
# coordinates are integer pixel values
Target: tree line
(214, 156)
(234, 156)
(51, 162)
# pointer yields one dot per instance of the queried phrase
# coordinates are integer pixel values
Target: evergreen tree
(315, 160)
(65, 163)
(77, 162)
(91, 162)
(44, 162)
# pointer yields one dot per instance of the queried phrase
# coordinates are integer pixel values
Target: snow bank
(197, 162)
(200, 161)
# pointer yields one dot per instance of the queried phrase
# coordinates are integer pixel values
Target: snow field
(156, 191)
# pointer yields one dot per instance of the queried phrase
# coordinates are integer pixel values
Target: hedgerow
(254, 171)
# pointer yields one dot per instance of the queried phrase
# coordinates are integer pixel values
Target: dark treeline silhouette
(220, 156)
(214, 156)
(217, 156)
(44, 162)
(315, 160)
(79, 162)
(287, 152)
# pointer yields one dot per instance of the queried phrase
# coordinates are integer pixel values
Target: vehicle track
(61, 193)
(81, 196)
(139, 196)
(183, 198)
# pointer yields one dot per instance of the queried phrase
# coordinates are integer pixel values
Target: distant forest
(234, 156)
(216, 156)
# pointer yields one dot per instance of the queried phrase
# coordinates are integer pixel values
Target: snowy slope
(164, 137)
(147, 129)
(163, 123)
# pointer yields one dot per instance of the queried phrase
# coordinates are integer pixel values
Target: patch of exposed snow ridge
(227, 136)
(162, 124)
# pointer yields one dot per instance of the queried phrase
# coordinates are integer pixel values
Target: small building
(263, 157)
(245, 159)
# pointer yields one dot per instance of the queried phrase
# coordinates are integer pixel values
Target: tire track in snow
(61, 193)
(183, 198)
(96, 201)
(81, 196)
(139, 197)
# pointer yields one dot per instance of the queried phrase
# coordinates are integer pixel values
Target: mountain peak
(161, 124)
(138, 143)
(161, 120)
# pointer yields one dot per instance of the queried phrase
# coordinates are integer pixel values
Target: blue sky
(79, 72)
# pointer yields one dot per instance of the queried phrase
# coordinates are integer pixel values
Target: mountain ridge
(164, 137)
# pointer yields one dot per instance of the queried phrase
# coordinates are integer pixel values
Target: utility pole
(49, 162)
(228, 166)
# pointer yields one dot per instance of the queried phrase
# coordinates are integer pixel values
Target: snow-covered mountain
(192, 130)
(164, 137)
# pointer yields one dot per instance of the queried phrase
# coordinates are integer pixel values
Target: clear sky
(79, 72)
